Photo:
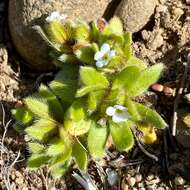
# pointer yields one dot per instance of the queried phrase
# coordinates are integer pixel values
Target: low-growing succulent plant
(91, 99)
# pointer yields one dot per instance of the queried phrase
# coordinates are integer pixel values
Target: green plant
(91, 97)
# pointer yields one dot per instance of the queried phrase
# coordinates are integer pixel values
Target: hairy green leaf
(41, 129)
(122, 135)
(38, 106)
(150, 116)
(80, 155)
(65, 83)
(114, 27)
(56, 32)
(97, 138)
(59, 170)
(36, 147)
(147, 77)
(59, 146)
(85, 54)
(90, 76)
(126, 77)
(82, 32)
(37, 160)
(22, 115)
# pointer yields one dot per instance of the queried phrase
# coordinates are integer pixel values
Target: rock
(131, 181)
(112, 177)
(24, 14)
(135, 14)
(138, 177)
(179, 180)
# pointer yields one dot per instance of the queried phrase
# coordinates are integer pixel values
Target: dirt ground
(166, 39)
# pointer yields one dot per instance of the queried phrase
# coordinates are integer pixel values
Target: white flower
(55, 16)
(118, 113)
(103, 56)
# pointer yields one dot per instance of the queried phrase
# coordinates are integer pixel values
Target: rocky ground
(165, 38)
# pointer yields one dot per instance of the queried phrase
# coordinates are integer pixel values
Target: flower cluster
(91, 97)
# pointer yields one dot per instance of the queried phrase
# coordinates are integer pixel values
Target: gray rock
(135, 13)
(24, 14)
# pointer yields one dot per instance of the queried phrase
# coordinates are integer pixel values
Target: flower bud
(157, 87)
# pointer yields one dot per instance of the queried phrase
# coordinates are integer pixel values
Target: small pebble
(112, 177)
(161, 188)
(188, 2)
(179, 180)
(131, 181)
(124, 185)
(150, 177)
(138, 178)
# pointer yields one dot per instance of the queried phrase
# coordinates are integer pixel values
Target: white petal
(121, 115)
(112, 53)
(55, 16)
(117, 119)
(105, 48)
(101, 63)
(98, 55)
(110, 111)
(120, 107)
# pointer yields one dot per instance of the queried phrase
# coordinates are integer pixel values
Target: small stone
(150, 177)
(25, 188)
(131, 181)
(161, 188)
(124, 186)
(138, 178)
(135, 14)
(188, 188)
(179, 180)
(19, 181)
(112, 177)
(188, 2)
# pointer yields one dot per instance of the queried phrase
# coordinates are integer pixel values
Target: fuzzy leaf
(36, 147)
(59, 170)
(90, 76)
(147, 77)
(41, 129)
(82, 32)
(54, 105)
(80, 155)
(67, 58)
(97, 138)
(22, 115)
(59, 146)
(133, 61)
(38, 106)
(56, 32)
(94, 99)
(122, 135)
(76, 112)
(114, 27)
(85, 55)
(87, 89)
(132, 110)
(77, 128)
(65, 83)
(126, 77)
(150, 116)
(37, 160)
